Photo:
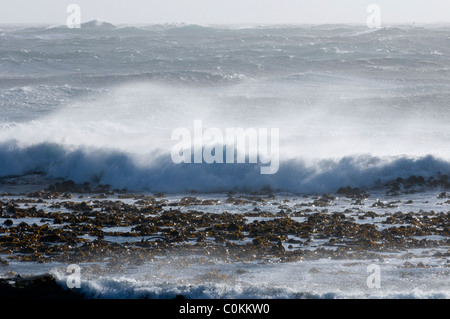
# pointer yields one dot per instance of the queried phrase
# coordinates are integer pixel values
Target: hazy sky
(225, 11)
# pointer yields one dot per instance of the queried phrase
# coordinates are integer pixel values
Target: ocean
(355, 107)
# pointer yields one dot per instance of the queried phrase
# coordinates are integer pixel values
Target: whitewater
(355, 107)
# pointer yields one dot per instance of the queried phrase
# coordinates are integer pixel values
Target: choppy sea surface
(354, 107)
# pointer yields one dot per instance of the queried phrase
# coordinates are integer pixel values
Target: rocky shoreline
(77, 224)
(76, 231)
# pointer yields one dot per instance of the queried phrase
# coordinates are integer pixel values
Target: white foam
(322, 279)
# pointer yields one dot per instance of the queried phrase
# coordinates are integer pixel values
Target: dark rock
(8, 222)
(35, 287)
(354, 193)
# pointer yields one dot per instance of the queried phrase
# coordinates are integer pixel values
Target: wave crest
(156, 172)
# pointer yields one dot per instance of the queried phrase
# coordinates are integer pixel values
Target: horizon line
(49, 23)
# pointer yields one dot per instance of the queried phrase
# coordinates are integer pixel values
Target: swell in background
(354, 107)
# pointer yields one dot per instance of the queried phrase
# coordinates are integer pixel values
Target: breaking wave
(354, 106)
(156, 171)
(118, 287)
